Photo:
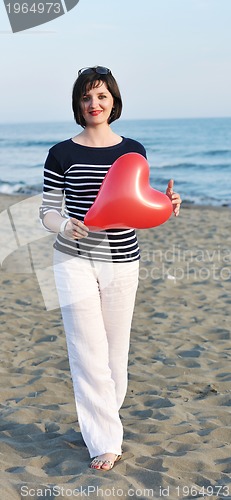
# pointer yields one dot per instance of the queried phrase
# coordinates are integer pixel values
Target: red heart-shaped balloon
(126, 199)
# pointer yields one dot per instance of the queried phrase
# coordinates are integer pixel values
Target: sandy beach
(176, 415)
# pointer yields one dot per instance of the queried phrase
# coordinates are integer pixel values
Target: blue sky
(171, 58)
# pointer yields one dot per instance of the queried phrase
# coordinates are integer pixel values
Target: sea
(196, 153)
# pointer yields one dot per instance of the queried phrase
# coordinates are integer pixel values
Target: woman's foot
(105, 462)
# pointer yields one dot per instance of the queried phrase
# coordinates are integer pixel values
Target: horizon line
(120, 120)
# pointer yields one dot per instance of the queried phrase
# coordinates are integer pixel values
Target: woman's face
(96, 105)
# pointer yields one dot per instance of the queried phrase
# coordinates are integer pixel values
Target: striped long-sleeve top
(73, 175)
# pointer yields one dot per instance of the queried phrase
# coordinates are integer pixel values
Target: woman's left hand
(174, 197)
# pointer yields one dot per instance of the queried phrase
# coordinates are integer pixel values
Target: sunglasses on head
(101, 70)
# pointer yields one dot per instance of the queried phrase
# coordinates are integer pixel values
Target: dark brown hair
(86, 82)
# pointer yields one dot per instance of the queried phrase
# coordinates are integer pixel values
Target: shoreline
(5, 200)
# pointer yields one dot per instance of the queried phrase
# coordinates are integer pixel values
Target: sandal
(98, 464)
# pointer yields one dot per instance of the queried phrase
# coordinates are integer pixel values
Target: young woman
(96, 273)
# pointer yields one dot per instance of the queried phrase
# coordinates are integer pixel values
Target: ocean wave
(19, 188)
(9, 188)
(196, 166)
(175, 165)
(22, 143)
(212, 152)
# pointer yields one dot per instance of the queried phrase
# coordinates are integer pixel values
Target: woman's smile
(95, 112)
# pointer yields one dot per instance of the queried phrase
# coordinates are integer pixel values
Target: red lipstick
(95, 113)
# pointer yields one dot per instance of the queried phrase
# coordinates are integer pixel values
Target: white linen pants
(97, 301)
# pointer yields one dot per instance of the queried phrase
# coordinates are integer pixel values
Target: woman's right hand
(75, 229)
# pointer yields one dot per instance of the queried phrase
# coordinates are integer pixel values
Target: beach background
(176, 415)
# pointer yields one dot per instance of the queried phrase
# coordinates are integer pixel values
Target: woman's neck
(98, 137)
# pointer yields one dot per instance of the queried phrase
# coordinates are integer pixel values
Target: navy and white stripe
(73, 175)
